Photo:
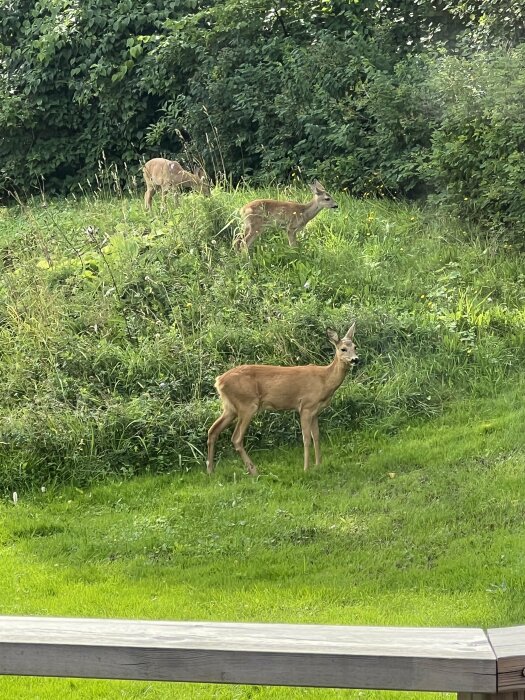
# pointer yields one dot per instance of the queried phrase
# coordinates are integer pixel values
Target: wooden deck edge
(462, 660)
(508, 644)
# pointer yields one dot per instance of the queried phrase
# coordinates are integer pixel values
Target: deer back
(273, 210)
(277, 388)
(164, 173)
(287, 213)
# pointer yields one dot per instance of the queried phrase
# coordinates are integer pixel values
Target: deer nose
(335, 206)
(354, 360)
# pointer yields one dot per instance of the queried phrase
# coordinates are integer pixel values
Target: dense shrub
(396, 99)
(477, 162)
(72, 87)
(330, 97)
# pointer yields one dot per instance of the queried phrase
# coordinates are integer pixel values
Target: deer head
(324, 201)
(344, 347)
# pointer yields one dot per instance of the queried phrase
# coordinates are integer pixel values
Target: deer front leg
(166, 190)
(177, 192)
(315, 436)
(292, 236)
(306, 428)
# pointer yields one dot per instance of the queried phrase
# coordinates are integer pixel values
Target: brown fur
(166, 175)
(292, 216)
(307, 389)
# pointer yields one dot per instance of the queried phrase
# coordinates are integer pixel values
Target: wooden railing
(476, 664)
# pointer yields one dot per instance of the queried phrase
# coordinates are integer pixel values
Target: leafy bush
(318, 102)
(73, 89)
(477, 162)
(379, 98)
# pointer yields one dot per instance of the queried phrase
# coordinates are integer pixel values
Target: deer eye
(343, 349)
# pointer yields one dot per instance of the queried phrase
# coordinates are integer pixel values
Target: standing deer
(262, 213)
(163, 174)
(308, 389)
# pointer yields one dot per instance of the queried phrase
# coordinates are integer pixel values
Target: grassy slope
(109, 346)
(416, 515)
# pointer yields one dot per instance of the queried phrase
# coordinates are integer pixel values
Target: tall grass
(114, 323)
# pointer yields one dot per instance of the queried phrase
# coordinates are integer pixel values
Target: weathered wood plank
(446, 659)
(512, 695)
(509, 646)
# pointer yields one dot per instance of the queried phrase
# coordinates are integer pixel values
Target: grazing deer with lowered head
(293, 216)
(308, 389)
(163, 174)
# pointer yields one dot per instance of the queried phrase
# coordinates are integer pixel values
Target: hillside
(114, 324)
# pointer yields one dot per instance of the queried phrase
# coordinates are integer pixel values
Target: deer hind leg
(238, 438)
(307, 430)
(150, 191)
(224, 420)
(239, 243)
(252, 229)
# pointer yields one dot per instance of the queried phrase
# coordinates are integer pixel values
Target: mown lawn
(423, 526)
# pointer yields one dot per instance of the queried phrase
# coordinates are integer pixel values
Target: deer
(307, 389)
(163, 174)
(293, 216)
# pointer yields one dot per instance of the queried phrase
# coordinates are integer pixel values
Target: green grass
(113, 326)
(424, 527)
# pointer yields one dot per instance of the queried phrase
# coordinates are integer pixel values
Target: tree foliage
(477, 159)
(355, 93)
(72, 85)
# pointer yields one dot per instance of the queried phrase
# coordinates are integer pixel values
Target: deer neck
(335, 374)
(310, 210)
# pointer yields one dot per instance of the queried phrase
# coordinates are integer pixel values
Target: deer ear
(350, 332)
(332, 336)
(316, 187)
